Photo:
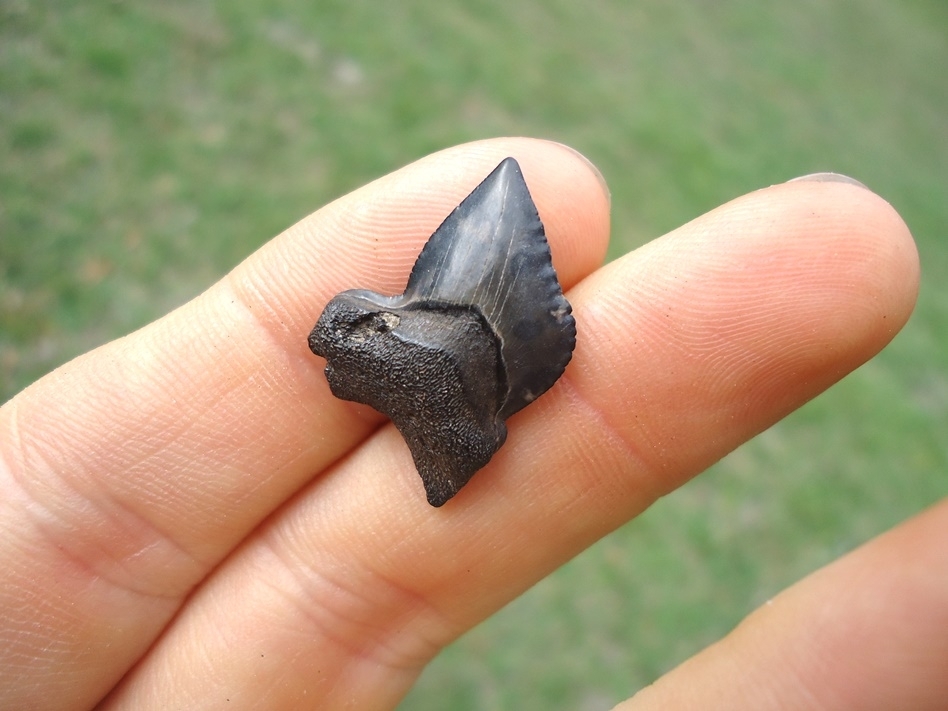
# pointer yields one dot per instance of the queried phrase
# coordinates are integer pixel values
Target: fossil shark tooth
(481, 331)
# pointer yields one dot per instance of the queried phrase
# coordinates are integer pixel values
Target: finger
(685, 348)
(131, 471)
(866, 633)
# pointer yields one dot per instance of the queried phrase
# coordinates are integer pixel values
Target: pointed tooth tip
(507, 167)
(512, 164)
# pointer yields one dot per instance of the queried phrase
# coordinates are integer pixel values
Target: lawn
(146, 148)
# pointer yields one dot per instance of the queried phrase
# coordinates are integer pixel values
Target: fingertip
(763, 303)
(871, 235)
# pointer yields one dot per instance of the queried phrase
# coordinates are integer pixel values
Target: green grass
(146, 148)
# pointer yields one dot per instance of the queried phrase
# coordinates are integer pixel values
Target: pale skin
(190, 519)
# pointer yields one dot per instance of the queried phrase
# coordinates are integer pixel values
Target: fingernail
(592, 167)
(827, 178)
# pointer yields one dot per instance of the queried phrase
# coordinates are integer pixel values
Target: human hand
(191, 520)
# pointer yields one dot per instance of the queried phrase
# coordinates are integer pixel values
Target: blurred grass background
(146, 148)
